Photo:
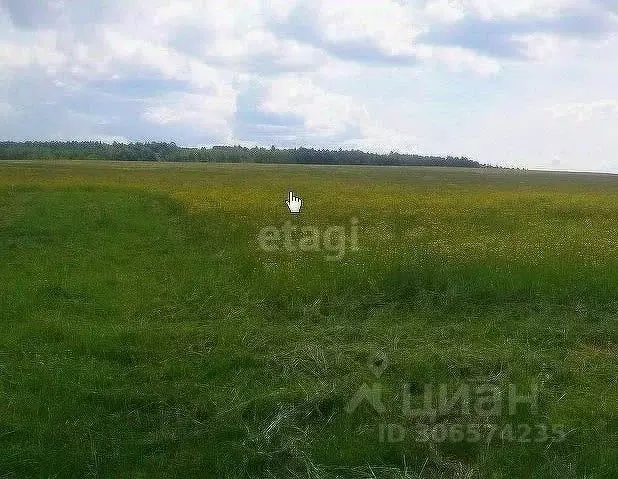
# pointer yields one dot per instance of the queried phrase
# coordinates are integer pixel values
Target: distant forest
(159, 151)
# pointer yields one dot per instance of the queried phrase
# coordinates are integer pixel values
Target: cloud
(254, 124)
(596, 110)
(363, 30)
(324, 118)
(38, 49)
(428, 76)
(499, 9)
(208, 113)
(499, 38)
(6, 110)
(458, 59)
(322, 112)
(611, 5)
(32, 14)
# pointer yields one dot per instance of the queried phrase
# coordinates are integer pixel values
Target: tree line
(162, 151)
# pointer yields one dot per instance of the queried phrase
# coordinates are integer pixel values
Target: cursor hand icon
(294, 203)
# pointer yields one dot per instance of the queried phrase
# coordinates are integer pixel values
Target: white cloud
(378, 139)
(40, 50)
(210, 113)
(355, 73)
(6, 110)
(322, 112)
(596, 110)
(458, 59)
(572, 137)
(447, 11)
(168, 62)
(388, 24)
(331, 115)
(492, 9)
(544, 47)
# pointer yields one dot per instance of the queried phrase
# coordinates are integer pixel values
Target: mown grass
(144, 333)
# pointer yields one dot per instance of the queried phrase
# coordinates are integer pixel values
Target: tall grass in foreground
(143, 333)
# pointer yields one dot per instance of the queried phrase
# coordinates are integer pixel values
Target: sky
(519, 83)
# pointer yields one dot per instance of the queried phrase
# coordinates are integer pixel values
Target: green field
(145, 333)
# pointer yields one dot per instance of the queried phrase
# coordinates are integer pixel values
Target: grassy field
(145, 333)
